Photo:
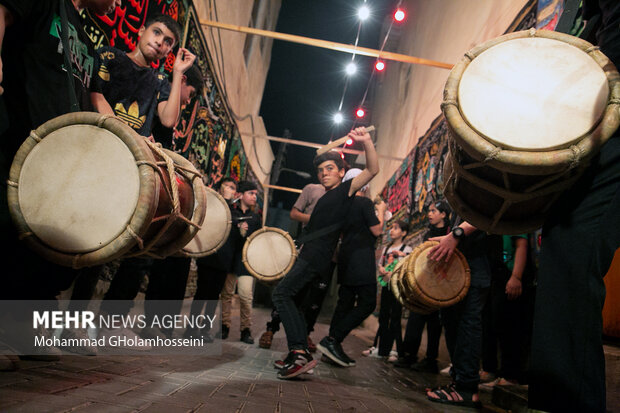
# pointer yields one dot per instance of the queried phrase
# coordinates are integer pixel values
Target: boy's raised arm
(372, 161)
(170, 110)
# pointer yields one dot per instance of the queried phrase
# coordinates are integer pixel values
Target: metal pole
(325, 44)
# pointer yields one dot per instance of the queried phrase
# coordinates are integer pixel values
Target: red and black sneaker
(301, 363)
(278, 364)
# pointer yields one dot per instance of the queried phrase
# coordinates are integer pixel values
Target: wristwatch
(458, 233)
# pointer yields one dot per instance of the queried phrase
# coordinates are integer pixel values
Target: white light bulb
(338, 117)
(363, 13)
(351, 68)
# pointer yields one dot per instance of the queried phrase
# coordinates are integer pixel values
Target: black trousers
(503, 321)
(413, 334)
(579, 240)
(347, 314)
(209, 286)
(167, 281)
(310, 300)
(390, 328)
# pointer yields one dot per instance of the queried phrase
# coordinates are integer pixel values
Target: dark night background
(305, 84)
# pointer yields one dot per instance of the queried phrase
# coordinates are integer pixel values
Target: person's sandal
(450, 395)
(265, 340)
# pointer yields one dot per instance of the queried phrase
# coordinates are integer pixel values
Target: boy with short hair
(322, 233)
(247, 221)
(128, 87)
(357, 295)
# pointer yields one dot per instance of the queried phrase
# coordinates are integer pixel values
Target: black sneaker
(300, 363)
(345, 356)
(330, 348)
(246, 336)
(426, 366)
(225, 331)
(405, 362)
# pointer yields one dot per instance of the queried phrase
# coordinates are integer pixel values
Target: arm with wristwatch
(448, 243)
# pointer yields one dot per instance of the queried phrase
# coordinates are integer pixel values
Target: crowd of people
(43, 75)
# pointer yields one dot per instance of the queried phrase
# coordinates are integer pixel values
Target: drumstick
(338, 142)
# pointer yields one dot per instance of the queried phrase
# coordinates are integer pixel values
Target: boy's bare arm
(372, 161)
(6, 18)
(100, 104)
(170, 110)
(297, 215)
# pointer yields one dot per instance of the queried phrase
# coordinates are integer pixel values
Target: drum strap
(64, 38)
(318, 233)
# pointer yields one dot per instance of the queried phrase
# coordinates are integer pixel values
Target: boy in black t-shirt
(128, 87)
(357, 294)
(325, 222)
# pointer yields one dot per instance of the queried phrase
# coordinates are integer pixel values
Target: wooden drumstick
(338, 142)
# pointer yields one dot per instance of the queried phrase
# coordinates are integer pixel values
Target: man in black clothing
(34, 88)
(325, 222)
(579, 239)
(356, 273)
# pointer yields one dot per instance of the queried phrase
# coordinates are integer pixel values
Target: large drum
(85, 189)
(269, 254)
(215, 228)
(425, 286)
(527, 111)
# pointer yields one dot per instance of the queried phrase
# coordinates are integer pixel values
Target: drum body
(85, 189)
(269, 254)
(526, 112)
(215, 228)
(426, 286)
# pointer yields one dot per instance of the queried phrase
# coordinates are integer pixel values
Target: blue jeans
(463, 327)
(283, 298)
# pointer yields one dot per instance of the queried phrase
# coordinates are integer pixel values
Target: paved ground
(242, 379)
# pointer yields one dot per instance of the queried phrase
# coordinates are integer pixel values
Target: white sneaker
(84, 348)
(123, 338)
(446, 371)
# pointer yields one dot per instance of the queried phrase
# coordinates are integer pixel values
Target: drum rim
(396, 284)
(520, 161)
(139, 220)
(183, 252)
(420, 294)
(198, 212)
(282, 273)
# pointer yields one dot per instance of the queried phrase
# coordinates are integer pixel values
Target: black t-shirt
(255, 222)
(331, 209)
(436, 232)
(356, 261)
(33, 64)
(132, 91)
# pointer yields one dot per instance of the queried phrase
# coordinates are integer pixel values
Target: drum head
(533, 94)
(438, 284)
(78, 188)
(269, 253)
(215, 228)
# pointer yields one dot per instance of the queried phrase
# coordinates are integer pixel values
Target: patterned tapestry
(206, 133)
